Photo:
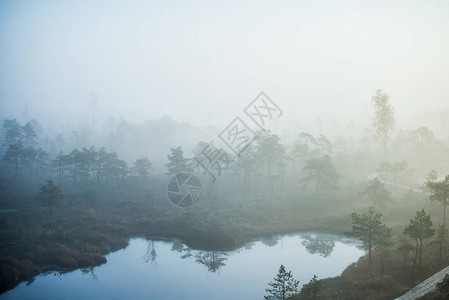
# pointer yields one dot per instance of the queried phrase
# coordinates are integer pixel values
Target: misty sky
(203, 61)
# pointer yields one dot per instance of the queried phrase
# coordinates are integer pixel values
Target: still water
(167, 269)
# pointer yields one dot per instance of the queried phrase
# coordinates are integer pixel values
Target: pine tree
(370, 230)
(177, 162)
(284, 286)
(50, 195)
(322, 171)
(142, 166)
(420, 228)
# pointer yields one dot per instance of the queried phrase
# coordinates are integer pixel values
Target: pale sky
(203, 61)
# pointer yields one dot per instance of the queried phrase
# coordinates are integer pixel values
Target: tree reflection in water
(212, 260)
(150, 254)
(315, 245)
(271, 241)
(185, 251)
(90, 271)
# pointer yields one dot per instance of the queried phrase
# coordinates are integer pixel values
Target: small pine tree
(50, 194)
(312, 289)
(284, 286)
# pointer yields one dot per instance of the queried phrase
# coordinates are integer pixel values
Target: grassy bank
(387, 277)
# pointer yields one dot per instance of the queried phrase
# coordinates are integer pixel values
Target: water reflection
(315, 245)
(271, 241)
(150, 254)
(91, 272)
(212, 260)
(185, 251)
(246, 247)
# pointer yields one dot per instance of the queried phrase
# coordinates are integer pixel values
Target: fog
(195, 135)
(203, 62)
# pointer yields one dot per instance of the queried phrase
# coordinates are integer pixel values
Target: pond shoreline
(27, 271)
